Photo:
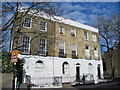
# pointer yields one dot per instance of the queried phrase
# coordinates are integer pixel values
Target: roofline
(59, 19)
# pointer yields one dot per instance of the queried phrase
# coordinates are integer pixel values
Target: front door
(78, 74)
(99, 74)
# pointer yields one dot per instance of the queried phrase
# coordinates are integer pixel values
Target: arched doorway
(78, 72)
(39, 68)
(99, 72)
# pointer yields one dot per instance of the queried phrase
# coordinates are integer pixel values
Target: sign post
(14, 60)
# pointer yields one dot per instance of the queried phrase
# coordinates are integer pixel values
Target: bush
(7, 67)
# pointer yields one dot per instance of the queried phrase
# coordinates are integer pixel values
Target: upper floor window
(74, 49)
(87, 52)
(43, 46)
(43, 26)
(96, 53)
(94, 38)
(61, 49)
(73, 33)
(61, 30)
(85, 35)
(65, 68)
(27, 22)
(26, 45)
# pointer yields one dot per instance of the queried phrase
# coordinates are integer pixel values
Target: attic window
(61, 30)
(43, 26)
(73, 33)
(27, 22)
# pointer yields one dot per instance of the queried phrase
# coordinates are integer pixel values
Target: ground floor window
(90, 68)
(65, 67)
(39, 68)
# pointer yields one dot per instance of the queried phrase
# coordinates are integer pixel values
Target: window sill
(43, 31)
(62, 34)
(27, 27)
(86, 39)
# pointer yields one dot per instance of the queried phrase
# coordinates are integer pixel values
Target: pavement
(112, 85)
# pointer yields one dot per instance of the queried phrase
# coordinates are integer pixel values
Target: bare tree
(11, 15)
(109, 33)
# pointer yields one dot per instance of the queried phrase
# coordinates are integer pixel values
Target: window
(27, 22)
(96, 53)
(43, 26)
(94, 38)
(90, 69)
(43, 44)
(87, 52)
(74, 49)
(65, 67)
(73, 33)
(61, 48)
(26, 45)
(39, 68)
(61, 30)
(85, 35)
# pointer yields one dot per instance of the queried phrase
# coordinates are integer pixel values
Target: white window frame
(86, 35)
(74, 49)
(28, 46)
(63, 46)
(44, 26)
(94, 37)
(30, 23)
(96, 53)
(90, 69)
(65, 68)
(87, 51)
(39, 69)
(63, 30)
(45, 46)
(73, 31)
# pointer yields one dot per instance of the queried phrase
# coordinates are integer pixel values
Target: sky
(86, 12)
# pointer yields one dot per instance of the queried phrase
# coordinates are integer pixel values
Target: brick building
(57, 50)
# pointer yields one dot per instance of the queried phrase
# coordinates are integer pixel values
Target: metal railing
(59, 80)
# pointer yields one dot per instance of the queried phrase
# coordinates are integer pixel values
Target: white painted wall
(53, 66)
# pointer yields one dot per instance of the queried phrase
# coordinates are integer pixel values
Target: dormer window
(61, 30)
(27, 22)
(73, 33)
(43, 26)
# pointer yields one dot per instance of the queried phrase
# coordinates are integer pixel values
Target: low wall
(6, 80)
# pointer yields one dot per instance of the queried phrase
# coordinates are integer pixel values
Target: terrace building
(57, 50)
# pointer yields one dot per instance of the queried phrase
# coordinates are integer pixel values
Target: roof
(59, 19)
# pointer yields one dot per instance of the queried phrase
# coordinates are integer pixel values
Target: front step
(67, 85)
(24, 85)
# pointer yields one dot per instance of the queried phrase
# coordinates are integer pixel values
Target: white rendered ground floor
(54, 71)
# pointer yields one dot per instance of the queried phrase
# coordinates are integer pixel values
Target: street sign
(14, 56)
